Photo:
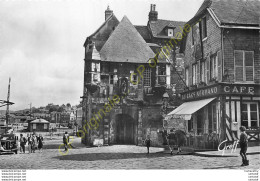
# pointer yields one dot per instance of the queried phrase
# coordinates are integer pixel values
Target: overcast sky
(41, 43)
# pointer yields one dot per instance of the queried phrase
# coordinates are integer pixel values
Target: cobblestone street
(117, 157)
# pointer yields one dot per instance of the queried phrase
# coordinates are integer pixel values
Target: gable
(126, 45)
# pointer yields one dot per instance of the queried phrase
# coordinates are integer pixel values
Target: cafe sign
(240, 89)
(199, 93)
(222, 88)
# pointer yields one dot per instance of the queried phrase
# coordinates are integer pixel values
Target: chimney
(108, 13)
(153, 15)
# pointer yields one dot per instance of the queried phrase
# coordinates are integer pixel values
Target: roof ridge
(103, 24)
(171, 20)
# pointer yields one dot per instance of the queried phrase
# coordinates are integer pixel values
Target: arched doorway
(124, 129)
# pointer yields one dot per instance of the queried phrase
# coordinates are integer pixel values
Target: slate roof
(144, 32)
(233, 12)
(93, 34)
(158, 26)
(126, 45)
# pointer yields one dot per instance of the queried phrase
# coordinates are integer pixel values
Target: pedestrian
(148, 143)
(243, 145)
(40, 143)
(171, 140)
(34, 141)
(29, 139)
(65, 141)
(22, 143)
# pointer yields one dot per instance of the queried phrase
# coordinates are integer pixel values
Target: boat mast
(7, 106)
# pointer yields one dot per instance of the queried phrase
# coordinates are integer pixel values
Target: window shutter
(93, 67)
(219, 70)
(190, 75)
(249, 66)
(239, 66)
(98, 67)
(207, 70)
(198, 72)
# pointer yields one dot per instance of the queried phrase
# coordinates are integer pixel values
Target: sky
(41, 43)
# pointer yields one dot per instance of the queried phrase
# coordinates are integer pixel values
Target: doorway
(124, 129)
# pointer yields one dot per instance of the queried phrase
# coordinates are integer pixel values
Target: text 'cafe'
(214, 113)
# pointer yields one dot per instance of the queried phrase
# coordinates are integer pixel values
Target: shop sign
(239, 89)
(206, 92)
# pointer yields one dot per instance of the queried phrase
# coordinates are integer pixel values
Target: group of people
(34, 142)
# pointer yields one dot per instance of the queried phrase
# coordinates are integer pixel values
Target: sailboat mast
(7, 107)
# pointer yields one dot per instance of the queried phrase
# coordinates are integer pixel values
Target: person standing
(148, 143)
(22, 143)
(40, 143)
(243, 145)
(65, 141)
(34, 140)
(29, 139)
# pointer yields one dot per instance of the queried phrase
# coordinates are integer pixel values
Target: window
(244, 65)
(147, 77)
(45, 126)
(34, 126)
(111, 79)
(133, 80)
(194, 74)
(161, 74)
(95, 67)
(213, 67)
(170, 32)
(250, 115)
(204, 27)
(187, 76)
(95, 77)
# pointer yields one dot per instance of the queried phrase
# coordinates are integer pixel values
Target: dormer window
(170, 32)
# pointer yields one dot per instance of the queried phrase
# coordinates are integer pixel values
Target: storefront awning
(185, 110)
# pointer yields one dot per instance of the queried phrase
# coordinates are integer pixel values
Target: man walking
(243, 145)
(22, 143)
(66, 140)
(148, 143)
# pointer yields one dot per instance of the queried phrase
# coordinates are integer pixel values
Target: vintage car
(8, 144)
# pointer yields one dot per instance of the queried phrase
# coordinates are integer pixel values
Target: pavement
(116, 157)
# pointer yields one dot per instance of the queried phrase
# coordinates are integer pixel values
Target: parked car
(8, 144)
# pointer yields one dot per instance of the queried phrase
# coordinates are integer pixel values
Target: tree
(60, 109)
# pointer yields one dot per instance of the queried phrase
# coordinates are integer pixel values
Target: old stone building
(222, 73)
(128, 80)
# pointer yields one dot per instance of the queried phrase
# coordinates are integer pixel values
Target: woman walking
(243, 145)
(40, 143)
